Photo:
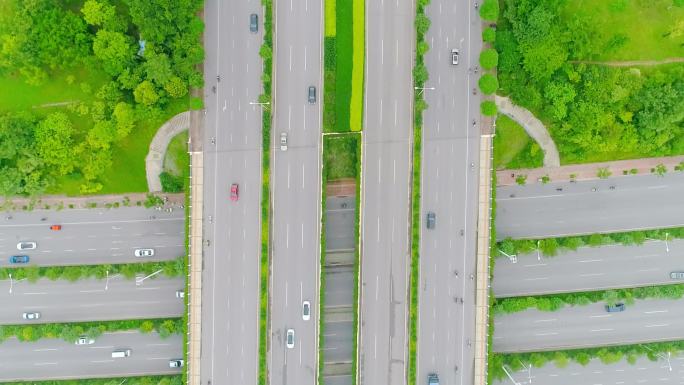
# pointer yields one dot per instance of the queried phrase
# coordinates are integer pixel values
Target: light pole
(263, 105)
(509, 375)
(538, 254)
(667, 247)
(513, 258)
(423, 89)
(529, 371)
(139, 281)
(107, 281)
(661, 355)
(11, 283)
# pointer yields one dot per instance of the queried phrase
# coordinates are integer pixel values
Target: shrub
(488, 108)
(171, 183)
(521, 179)
(488, 84)
(489, 35)
(489, 58)
(603, 173)
(489, 10)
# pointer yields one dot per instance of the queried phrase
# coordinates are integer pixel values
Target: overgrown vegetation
(176, 164)
(607, 355)
(593, 112)
(69, 145)
(32, 273)
(69, 332)
(358, 68)
(266, 53)
(513, 148)
(146, 380)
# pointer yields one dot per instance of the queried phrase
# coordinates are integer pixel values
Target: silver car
(26, 245)
(454, 56)
(283, 141)
(677, 275)
(290, 338)
(84, 340)
(34, 315)
(144, 252)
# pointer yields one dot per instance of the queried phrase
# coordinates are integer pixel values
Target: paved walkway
(587, 171)
(630, 63)
(56, 202)
(154, 162)
(534, 127)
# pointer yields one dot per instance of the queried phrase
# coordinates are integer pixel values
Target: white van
(121, 353)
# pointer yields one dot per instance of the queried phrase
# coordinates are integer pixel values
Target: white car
(84, 340)
(26, 245)
(454, 56)
(31, 315)
(290, 338)
(144, 252)
(180, 294)
(306, 310)
(283, 141)
(176, 363)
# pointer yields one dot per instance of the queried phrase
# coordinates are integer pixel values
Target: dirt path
(630, 63)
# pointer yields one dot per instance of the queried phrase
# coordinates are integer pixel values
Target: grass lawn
(177, 159)
(344, 61)
(653, 29)
(356, 103)
(330, 21)
(513, 148)
(340, 156)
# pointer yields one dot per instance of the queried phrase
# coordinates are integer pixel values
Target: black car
(253, 23)
(431, 220)
(618, 307)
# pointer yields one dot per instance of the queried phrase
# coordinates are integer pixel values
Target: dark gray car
(254, 23)
(312, 95)
(431, 220)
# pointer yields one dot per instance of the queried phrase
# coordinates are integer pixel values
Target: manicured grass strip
(344, 59)
(71, 330)
(356, 102)
(330, 19)
(266, 52)
(146, 380)
(32, 273)
(608, 355)
(513, 148)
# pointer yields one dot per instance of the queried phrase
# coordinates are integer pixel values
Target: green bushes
(488, 84)
(489, 35)
(488, 108)
(358, 70)
(171, 183)
(489, 59)
(489, 10)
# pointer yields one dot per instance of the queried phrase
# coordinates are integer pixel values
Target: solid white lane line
(656, 325)
(546, 320)
(600, 316)
(304, 58)
(656, 311)
(544, 334)
(601, 330)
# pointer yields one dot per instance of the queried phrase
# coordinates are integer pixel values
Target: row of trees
(589, 108)
(42, 37)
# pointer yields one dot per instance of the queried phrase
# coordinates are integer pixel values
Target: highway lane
(90, 299)
(589, 268)
(633, 202)
(93, 236)
(385, 192)
(643, 371)
(590, 325)
(296, 194)
(53, 359)
(449, 189)
(230, 281)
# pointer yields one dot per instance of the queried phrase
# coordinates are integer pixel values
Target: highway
(90, 299)
(589, 268)
(643, 371)
(449, 189)
(385, 198)
(590, 325)
(54, 359)
(296, 195)
(93, 236)
(634, 203)
(230, 282)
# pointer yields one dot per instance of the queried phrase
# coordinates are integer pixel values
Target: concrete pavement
(589, 268)
(53, 359)
(385, 198)
(589, 326)
(296, 191)
(91, 299)
(606, 205)
(232, 154)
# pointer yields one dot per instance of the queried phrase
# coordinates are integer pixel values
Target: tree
(125, 119)
(176, 87)
(145, 93)
(54, 142)
(114, 51)
(422, 24)
(101, 136)
(489, 10)
(157, 67)
(420, 74)
(488, 84)
(489, 35)
(488, 108)
(489, 58)
(97, 12)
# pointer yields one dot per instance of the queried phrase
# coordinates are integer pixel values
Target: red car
(234, 192)
(56, 227)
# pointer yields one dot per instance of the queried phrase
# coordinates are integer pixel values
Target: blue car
(19, 259)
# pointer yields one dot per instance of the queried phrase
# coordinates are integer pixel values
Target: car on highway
(290, 339)
(616, 308)
(56, 227)
(180, 294)
(26, 245)
(31, 315)
(16, 259)
(144, 252)
(431, 218)
(122, 353)
(84, 340)
(306, 310)
(177, 363)
(312, 95)
(234, 192)
(283, 141)
(677, 275)
(433, 379)
(253, 23)
(454, 56)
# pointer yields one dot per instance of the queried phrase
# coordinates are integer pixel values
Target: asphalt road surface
(230, 282)
(296, 194)
(643, 371)
(449, 189)
(589, 268)
(634, 203)
(53, 359)
(385, 197)
(93, 236)
(590, 325)
(90, 299)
